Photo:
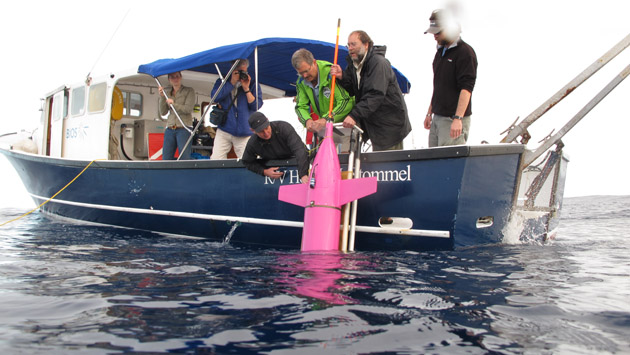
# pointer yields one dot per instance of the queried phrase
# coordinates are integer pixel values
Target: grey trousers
(440, 132)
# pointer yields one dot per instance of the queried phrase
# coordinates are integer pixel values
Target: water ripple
(73, 288)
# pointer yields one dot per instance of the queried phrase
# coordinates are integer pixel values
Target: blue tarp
(274, 61)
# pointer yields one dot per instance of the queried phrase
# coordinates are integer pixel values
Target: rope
(53, 196)
(314, 149)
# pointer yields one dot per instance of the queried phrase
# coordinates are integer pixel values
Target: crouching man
(273, 141)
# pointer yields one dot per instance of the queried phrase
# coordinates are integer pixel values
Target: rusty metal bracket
(539, 181)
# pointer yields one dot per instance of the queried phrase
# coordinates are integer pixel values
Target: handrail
(252, 220)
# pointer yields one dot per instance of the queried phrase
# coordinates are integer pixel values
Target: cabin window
(60, 105)
(96, 99)
(66, 99)
(132, 104)
(78, 101)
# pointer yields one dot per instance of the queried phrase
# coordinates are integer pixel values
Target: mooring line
(53, 196)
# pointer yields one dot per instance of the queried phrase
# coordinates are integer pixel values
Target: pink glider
(323, 197)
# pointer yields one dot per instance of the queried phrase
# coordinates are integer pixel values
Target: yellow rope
(53, 196)
(314, 149)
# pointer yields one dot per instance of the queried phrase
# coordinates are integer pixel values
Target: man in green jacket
(313, 94)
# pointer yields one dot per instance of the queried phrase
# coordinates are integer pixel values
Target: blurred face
(440, 38)
(308, 71)
(356, 48)
(175, 79)
(264, 134)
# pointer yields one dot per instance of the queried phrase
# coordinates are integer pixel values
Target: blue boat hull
(442, 189)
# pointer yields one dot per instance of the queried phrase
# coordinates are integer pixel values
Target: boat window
(60, 105)
(96, 99)
(78, 101)
(66, 99)
(132, 104)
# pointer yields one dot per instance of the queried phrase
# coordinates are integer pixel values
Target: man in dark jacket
(273, 141)
(380, 108)
(454, 76)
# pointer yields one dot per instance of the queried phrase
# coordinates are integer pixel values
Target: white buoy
(25, 145)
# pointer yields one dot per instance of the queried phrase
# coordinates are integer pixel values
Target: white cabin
(77, 123)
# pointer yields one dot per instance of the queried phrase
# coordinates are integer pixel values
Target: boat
(94, 162)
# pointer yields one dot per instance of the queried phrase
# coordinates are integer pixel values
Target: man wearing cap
(454, 76)
(272, 141)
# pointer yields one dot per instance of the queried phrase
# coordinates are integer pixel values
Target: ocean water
(67, 288)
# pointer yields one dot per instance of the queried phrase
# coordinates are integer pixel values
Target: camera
(242, 75)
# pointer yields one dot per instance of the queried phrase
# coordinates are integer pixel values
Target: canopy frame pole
(218, 71)
(515, 131)
(256, 69)
(171, 106)
(223, 81)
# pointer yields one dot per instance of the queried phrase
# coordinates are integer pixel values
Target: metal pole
(353, 213)
(566, 90)
(252, 220)
(332, 85)
(346, 209)
(223, 81)
(172, 107)
(530, 157)
(218, 71)
(256, 68)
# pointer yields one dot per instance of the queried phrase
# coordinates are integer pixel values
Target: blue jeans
(176, 138)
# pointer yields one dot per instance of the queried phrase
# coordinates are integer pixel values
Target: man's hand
(456, 128)
(427, 121)
(315, 126)
(273, 173)
(335, 70)
(245, 82)
(349, 122)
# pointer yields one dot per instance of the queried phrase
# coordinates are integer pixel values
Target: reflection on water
(318, 276)
(66, 288)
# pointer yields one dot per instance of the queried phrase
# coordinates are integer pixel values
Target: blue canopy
(274, 61)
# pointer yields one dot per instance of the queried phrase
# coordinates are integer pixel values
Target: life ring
(117, 104)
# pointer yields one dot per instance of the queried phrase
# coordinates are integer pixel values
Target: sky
(527, 51)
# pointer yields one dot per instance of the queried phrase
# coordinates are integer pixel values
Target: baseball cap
(436, 22)
(258, 121)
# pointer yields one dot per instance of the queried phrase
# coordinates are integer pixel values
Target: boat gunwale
(448, 152)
